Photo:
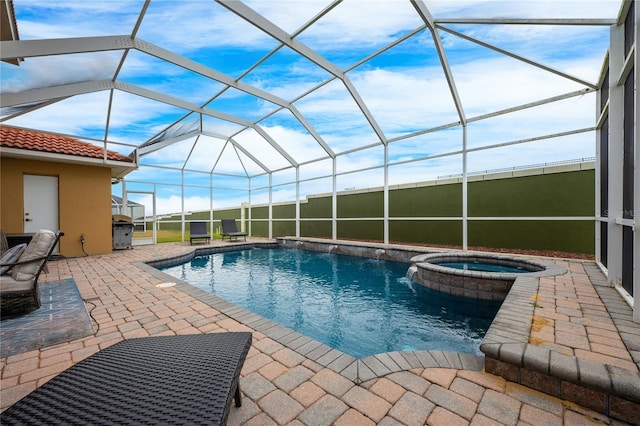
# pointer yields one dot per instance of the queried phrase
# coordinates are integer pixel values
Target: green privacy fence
(544, 210)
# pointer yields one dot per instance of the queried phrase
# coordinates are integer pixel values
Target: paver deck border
(607, 389)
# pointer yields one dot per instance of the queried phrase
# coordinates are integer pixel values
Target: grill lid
(120, 219)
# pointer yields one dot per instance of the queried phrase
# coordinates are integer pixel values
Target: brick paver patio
(282, 386)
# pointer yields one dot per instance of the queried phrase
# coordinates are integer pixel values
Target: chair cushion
(38, 247)
(10, 256)
(9, 285)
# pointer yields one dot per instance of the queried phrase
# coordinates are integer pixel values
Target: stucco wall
(84, 202)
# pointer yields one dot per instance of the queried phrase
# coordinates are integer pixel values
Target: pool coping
(358, 370)
(506, 348)
(508, 353)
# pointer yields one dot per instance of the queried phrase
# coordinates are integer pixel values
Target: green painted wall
(559, 194)
(553, 194)
(316, 208)
(440, 232)
(316, 228)
(571, 237)
(284, 228)
(287, 211)
(368, 204)
(361, 229)
(426, 201)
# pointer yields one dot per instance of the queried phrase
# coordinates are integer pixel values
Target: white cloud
(404, 89)
(50, 71)
(360, 24)
(49, 19)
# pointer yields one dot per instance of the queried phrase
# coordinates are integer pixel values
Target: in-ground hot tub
(478, 276)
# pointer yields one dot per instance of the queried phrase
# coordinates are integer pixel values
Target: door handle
(28, 220)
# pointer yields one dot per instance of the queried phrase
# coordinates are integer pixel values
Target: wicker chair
(4, 244)
(165, 380)
(19, 292)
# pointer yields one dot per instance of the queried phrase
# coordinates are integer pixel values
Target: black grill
(121, 231)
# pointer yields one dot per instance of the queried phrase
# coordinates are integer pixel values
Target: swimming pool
(359, 306)
(483, 266)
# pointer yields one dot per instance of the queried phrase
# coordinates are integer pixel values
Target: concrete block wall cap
(564, 366)
(440, 358)
(504, 336)
(626, 383)
(403, 363)
(594, 374)
(426, 359)
(536, 358)
(491, 349)
(513, 353)
(418, 258)
(472, 362)
(350, 372)
(364, 372)
(454, 359)
(505, 327)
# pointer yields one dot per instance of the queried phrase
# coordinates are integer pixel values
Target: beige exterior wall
(84, 202)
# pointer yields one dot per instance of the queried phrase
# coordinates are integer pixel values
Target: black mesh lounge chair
(230, 230)
(165, 380)
(198, 231)
(19, 290)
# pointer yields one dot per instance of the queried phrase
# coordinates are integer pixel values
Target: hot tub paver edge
(503, 346)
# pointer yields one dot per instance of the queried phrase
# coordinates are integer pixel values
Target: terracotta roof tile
(12, 137)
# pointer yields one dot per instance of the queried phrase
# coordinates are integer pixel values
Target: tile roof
(12, 137)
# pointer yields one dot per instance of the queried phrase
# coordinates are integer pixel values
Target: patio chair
(19, 290)
(230, 230)
(198, 231)
(4, 243)
(166, 380)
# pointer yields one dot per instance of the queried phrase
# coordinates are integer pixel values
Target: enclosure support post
(182, 202)
(154, 232)
(249, 215)
(616, 157)
(123, 207)
(465, 225)
(334, 203)
(211, 230)
(270, 205)
(385, 198)
(636, 175)
(297, 201)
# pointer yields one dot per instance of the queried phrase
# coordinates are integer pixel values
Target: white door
(40, 203)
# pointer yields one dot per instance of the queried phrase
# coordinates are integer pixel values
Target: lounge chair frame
(230, 230)
(24, 300)
(198, 231)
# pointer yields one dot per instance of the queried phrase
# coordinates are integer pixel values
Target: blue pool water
(359, 306)
(483, 266)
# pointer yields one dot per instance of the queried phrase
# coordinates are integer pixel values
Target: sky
(403, 88)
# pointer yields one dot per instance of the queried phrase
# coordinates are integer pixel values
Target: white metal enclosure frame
(367, 93)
